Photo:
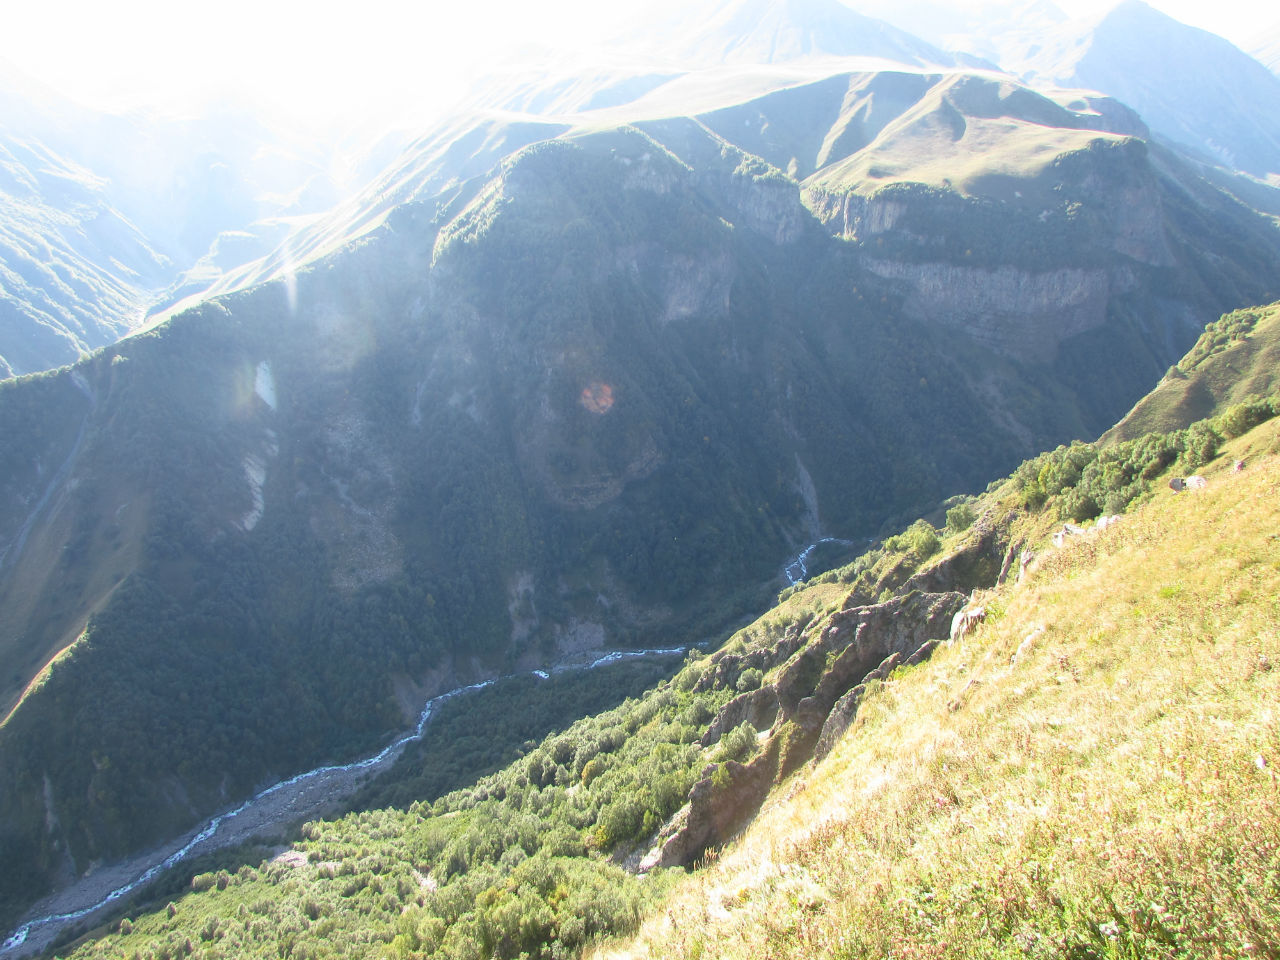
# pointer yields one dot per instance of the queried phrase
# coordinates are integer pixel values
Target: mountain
(979, 29)
(1235, 360)
(777, 31)
(967, 710)
(1266, 49)
(1189, 85)
(74, 270)
(561, 387)
(104, 213)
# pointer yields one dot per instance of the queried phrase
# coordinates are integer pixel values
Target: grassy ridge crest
(1237, 357)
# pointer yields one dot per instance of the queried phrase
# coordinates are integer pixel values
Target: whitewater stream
(797, 569)
(275, 799)
(278, 803)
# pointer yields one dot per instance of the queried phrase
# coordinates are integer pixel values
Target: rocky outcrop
(853, 216)
(983, 560)
(1021, 313)
(769, 206)
(821, 673)
(758, 708)
(846, 708)
(695, 286)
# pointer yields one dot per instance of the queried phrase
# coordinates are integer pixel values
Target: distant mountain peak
(777, 31)
(1190, 86)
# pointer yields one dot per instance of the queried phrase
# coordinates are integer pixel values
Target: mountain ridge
(1233, 362)
(1045, 644)
(435, 445)
(1191, 86)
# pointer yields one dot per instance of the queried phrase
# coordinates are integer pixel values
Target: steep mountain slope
(440, 450)
(557, 403)
(1091, 673)
(1266, 49)
(1189, 85)
(74, 272)
(1090, 772)
(984, 29)
(774, 31)
(453, 151)
(1235, 359)
(966, 238)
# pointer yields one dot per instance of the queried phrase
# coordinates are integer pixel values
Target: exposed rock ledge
(825, 667)
(1021, 313)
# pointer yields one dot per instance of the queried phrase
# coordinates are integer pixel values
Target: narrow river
(797, 570)
(289, 799)
(280, 802)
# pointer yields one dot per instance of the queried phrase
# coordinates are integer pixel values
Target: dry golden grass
(1111, 792)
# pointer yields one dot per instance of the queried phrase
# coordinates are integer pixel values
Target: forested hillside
(830, 688)
(596, 396)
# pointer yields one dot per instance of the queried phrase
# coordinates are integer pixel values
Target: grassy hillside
(1237, 357)
(1092, 773)
(1014, 793)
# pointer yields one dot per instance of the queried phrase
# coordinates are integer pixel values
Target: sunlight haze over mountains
(321, 63)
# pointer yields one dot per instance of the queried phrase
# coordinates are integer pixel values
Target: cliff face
(1122, 219)
(820, 670)
(1021, 313)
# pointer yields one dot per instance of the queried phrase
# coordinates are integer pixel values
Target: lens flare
(597, 397)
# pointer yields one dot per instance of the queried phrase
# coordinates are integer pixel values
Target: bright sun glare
(321, 61)
(316, 59)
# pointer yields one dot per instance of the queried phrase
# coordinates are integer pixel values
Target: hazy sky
(324, 58)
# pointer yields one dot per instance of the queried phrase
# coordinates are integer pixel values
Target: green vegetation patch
(523, 863)
(1089, 479)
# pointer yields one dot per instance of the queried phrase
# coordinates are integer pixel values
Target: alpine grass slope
(1091, 772)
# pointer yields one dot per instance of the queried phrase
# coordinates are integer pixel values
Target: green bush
(960, 517)
(922, 539)
(1240, 418)
(1084, 480)
(738, 744)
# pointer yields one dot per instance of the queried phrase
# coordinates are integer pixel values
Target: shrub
(593, 769)
(738, 744)
(1240, 418)
(1200, 444)
(202, 881)
(922, 539)
(960, 517)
